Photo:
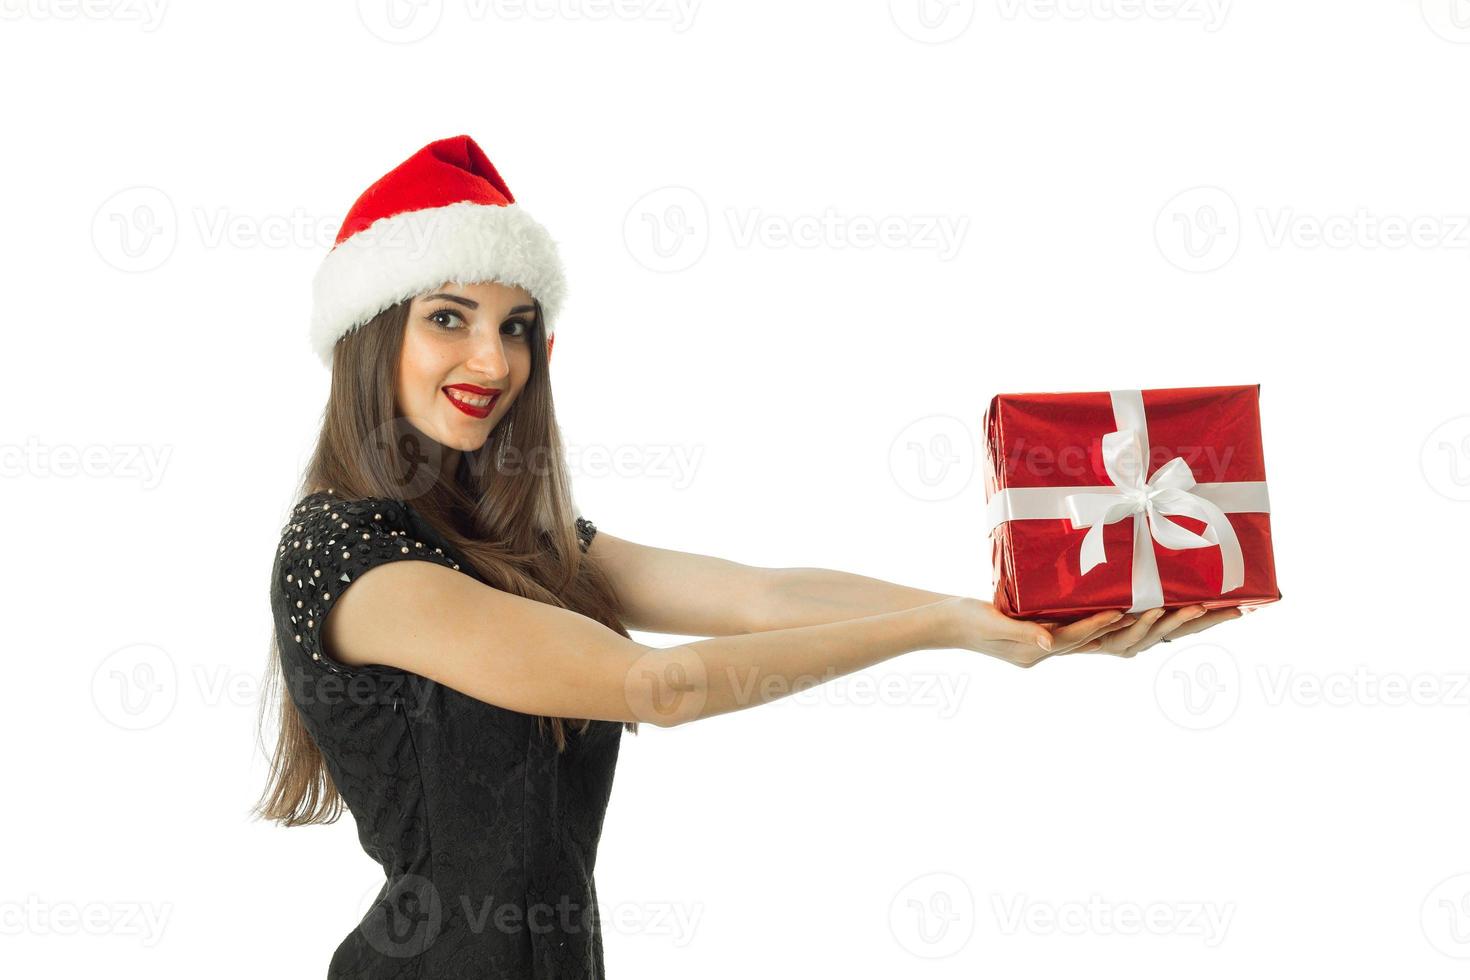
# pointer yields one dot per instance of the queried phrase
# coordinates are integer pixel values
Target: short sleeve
(585, 531)
(329, 543)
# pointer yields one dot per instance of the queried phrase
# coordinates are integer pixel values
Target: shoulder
(328, 516)
(324, 507)
(324, 526)
(327, 545)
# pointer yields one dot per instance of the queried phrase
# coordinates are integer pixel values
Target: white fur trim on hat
(401, 256)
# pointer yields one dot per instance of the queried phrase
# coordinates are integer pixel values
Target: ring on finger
(1186, 619)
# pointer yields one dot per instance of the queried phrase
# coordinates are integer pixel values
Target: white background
(1166, 194)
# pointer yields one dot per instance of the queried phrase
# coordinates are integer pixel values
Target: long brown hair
(507, 511)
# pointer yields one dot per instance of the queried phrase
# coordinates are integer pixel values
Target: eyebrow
(475, 306)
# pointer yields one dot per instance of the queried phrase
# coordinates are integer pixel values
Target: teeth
(474, 401)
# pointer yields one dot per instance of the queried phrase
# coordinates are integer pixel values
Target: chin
(466, 443)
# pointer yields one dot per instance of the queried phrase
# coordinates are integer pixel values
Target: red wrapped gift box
(1130, 499)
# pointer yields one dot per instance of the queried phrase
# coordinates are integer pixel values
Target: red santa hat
(443, 215)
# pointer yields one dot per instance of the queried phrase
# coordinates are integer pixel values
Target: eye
(445, 311)
(525, 328)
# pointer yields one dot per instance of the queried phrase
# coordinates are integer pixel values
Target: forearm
(728, 673)
(809, 596)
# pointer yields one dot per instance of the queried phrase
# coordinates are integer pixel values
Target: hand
(974, 624)
(1153, 626)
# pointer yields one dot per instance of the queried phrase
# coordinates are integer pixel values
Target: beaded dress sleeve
(329, 545)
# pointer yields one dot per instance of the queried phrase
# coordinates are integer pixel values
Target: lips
(472, 400)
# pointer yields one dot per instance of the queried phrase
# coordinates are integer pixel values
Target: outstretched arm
(666, 591)
(538, 658)
(809, 596)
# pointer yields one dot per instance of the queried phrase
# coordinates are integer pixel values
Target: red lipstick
(472, 401)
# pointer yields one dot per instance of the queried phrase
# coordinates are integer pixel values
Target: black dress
(487, 836)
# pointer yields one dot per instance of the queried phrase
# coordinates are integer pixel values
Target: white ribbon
(1171, 490)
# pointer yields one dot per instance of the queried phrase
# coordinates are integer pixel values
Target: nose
(488, 357)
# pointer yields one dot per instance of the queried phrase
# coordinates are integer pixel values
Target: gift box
(1129, 499)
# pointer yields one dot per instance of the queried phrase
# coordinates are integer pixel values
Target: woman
(466, 697)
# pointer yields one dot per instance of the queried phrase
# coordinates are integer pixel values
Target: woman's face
(466, 356)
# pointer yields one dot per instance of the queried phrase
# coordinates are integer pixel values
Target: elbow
(667, 687)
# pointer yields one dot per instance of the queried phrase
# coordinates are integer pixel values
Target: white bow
(1167, 492)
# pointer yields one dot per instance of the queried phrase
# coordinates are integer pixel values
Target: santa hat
(443, 215)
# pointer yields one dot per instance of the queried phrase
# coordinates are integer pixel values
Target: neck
(449, 462)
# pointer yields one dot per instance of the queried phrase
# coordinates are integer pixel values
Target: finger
(1099, 643)
(1168, 623)
(1084, 629)
(1024, 654)
(999, 626)
(1124, 621)
(1167, 627)
(1207, 620)
(1120, 641)
(1021, 631)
